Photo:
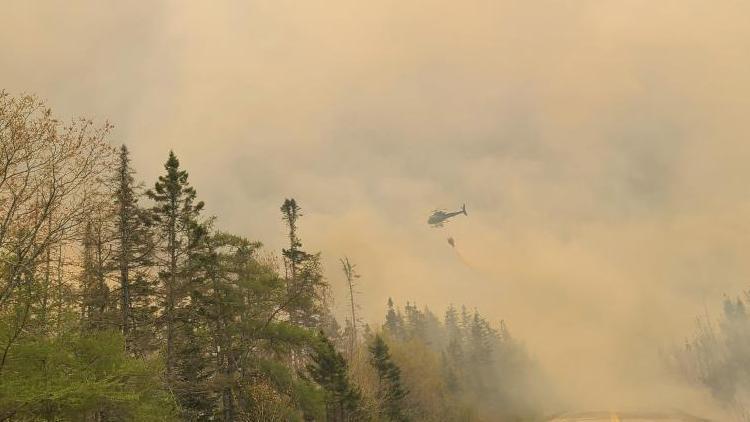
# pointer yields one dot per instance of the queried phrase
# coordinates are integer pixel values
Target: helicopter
(438, 217)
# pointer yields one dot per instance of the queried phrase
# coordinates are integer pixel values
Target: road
(625, 416)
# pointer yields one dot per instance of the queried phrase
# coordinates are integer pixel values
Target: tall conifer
(175, 211)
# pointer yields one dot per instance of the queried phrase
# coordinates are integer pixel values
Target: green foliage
(176, 213)
(717, 356)
(463, 363)
(305, 284)
(330, 370)
(302, 394)
(73, 375)
(174, 196)
(132, 256)
(295, 256)
(394, 322)
(96, 293)
(391, 392)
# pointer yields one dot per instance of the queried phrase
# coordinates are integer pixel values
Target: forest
(121, 300)
(716, 357)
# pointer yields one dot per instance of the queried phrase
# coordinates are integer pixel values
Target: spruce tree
(94, 290)
(133, 250)
(394, 322)
(305, 283)
(481, 342)
(222, 307)
(391, 392)
(175, 211)
(351, 276)
(451, 322)
(219, 302)
(330, 370)
(294, 257)
(414, 322)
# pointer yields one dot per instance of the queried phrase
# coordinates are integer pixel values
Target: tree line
(716, 356)
(125, 302)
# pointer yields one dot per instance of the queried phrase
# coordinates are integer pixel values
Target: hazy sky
(600, 146)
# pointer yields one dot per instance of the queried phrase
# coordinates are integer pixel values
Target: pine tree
(451, 322)
(330, 370)
(449, 373)
(481, 339)
(394, 323)
(133, 252)
(390, 390)
(305, 284)
(465, 321)
(222, 307)
(294, 257)
(176, 212)
(220, 302)
(453, 356)
(351, 276)
(192, 367)
(414, 322)
(94, 290)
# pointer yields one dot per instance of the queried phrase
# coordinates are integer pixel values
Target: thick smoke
(599, 144)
